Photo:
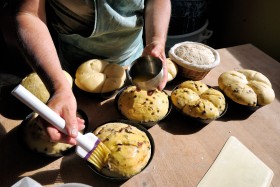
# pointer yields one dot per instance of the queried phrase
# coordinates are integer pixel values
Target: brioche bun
(247, 87)
(130, 149)
(99, 76)
(35, 85)
(140, 107)
(196, 99)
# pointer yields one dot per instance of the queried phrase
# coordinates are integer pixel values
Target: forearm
(157, 17)
(40, 51)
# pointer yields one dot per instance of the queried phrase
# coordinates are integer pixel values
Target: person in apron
(62, 34)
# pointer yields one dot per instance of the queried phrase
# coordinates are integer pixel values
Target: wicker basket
(191, 74)
(190, 70)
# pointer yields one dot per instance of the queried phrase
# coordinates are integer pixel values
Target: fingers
(157, 49)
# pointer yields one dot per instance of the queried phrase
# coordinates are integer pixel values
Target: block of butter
(237, 166)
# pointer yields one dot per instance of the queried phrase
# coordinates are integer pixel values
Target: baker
(111, 30)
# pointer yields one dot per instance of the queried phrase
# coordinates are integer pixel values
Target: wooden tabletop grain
(184, 150)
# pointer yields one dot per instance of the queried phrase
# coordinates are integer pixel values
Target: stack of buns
(130, 149)
(196, 99)
(247, 87)
(35, 85)
(99, 76)
(139, 106)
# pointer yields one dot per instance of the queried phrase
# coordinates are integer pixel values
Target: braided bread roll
(247, 87)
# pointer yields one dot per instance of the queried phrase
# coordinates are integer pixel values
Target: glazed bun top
(141, 107)
(130, 148)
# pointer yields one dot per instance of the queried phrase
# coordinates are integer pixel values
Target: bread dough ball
(197, 86)
(203, 109)
(230, 77)
(196, 54)
(141, 107)
(37, 139)
(183, 96)
(35, 85)
(265, 95)
(196, 99)
(247, 87)
(130, 149)
(99, 76)
(216, 97)
(242, 94)
(172, 69)
(252, 75)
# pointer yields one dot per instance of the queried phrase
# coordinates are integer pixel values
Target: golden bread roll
(197, 86)
(215, 97)
(35, 85)
(265, 93)
(130, 149)
(172, 69)
(183, 96)
(36, 138)
(230, 77)
(241, 93)
(196, 99)
(247, 87)
(141, 107)
(99, 76)
(203, 109)
(252, 75)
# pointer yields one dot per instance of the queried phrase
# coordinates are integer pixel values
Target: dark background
(233, 22)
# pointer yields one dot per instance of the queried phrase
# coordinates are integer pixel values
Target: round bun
(141, 107)
(99, 76)
(35, 85)
(196, 99)
(130, 149)
(36, 138)
(247, 87)
(172, 69)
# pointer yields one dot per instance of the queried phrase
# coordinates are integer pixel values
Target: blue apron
(116, 37)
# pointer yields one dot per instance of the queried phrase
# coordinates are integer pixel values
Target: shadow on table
(75, 169)
(177, 124)
(16, 160)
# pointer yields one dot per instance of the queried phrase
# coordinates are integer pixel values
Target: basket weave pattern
(193, 75)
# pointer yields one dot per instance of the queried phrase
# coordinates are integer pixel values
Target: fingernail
(74, 132)
(83, 127)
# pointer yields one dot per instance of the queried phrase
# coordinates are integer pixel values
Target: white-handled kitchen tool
(88, 147)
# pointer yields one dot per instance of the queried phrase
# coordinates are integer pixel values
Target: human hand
(157, 49)
(64, 103)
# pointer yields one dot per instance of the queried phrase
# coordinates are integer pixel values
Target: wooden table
(184, 151)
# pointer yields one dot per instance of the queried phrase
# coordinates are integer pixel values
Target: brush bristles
(99, 157)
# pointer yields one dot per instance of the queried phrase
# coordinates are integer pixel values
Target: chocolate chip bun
(35, 85)
(99, 76)
(140, 107)
(130, 149)
(36, 138)
(196, 99)
(247, 87)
